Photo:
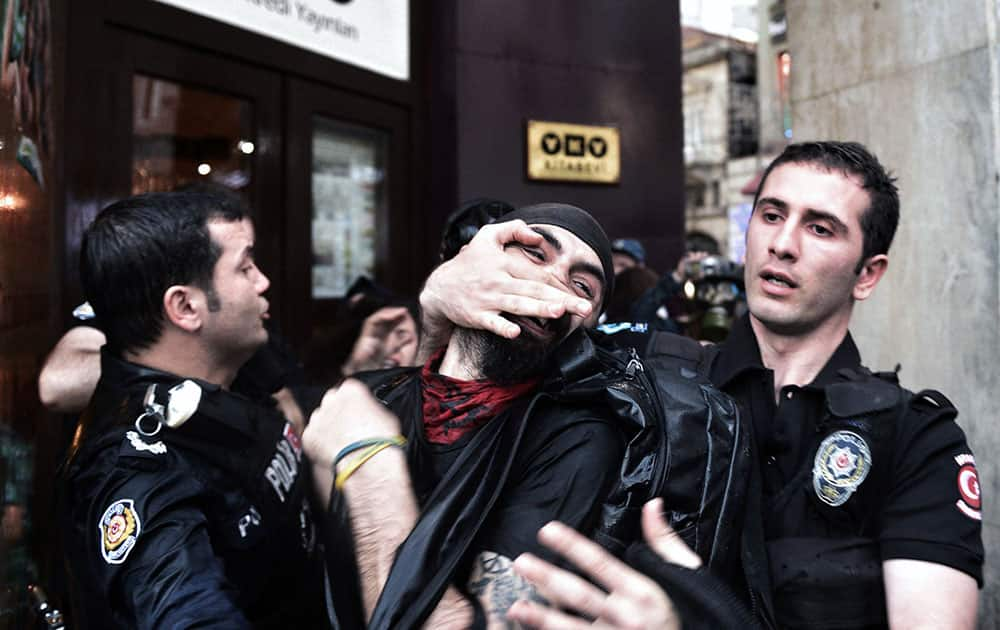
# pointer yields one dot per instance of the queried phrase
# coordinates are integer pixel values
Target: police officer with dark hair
(70, 373)
(870, 501)
(186, 504)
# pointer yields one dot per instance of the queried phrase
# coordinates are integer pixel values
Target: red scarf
(452, 407)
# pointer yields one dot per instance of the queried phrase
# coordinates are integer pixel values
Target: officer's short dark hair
(139, 247)
(879, 221)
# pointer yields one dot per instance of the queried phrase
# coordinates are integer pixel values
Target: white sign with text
(372, 34)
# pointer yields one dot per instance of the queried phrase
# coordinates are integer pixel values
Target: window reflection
(183, 134)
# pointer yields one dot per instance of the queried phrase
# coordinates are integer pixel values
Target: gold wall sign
(573, 153)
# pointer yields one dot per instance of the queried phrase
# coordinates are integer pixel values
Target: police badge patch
(119, 527)
(842, 463)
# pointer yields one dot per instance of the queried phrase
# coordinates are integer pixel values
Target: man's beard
(511, 361)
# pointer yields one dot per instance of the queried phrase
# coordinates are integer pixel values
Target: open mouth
(538, 323)
(542, 329)
(778, 280)
(535, 326)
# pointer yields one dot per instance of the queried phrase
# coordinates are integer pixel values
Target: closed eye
(584, 288)
(537, 254)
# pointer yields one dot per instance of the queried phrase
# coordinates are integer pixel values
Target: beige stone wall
(916, 81)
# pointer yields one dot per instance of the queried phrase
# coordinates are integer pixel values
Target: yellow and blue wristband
(372, 446)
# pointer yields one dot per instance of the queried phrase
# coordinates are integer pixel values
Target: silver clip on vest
(182, 402)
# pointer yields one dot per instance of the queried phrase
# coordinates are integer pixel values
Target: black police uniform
(854, 470)
(206, 524)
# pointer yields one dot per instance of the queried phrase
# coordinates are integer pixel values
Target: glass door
(157, 116)
(346, 199)
(203, 118)
(183, 135)
(349, 193)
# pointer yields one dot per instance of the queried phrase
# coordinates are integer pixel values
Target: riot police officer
(186, 504)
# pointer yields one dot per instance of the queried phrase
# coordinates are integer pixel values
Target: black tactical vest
(825, 566)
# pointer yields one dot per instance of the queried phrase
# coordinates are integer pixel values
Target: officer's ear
(184, 306)
(871, 272)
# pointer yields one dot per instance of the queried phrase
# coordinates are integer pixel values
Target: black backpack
(686, 441)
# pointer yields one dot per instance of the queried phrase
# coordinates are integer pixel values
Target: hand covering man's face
(573, 267)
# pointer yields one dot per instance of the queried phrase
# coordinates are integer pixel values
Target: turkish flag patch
(969, 497)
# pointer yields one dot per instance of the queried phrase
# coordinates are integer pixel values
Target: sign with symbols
(573, 153)
(372, 34)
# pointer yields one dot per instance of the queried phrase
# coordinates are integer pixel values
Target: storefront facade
(324, 150)
(352, 128)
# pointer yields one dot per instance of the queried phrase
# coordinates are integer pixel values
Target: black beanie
(579, 222)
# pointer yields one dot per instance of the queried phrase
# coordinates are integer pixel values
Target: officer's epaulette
(932, 400)
(861, 393)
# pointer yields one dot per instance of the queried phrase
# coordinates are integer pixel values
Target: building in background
(720, 137)
(731, 18)
(737, 112)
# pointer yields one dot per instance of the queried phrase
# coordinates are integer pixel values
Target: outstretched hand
(630, 599)
(377, 340)
(480, 284)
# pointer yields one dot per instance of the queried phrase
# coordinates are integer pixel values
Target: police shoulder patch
(842, 463)
(119, 528)
(969, 498)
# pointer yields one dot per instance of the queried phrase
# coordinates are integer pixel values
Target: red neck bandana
(452, 407)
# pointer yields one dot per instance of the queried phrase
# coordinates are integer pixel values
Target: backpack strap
(699, 356)
(577, 357)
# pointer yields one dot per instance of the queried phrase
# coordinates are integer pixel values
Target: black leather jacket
(456, 510)
(207, 524)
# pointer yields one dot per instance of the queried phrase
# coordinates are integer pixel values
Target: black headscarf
(580, 223)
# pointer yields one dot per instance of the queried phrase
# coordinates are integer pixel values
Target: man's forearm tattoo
(493, 580)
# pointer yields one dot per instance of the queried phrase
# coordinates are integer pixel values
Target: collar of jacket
(122, 388)
(740, 354)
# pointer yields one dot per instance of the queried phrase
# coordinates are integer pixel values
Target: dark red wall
(494, 65)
